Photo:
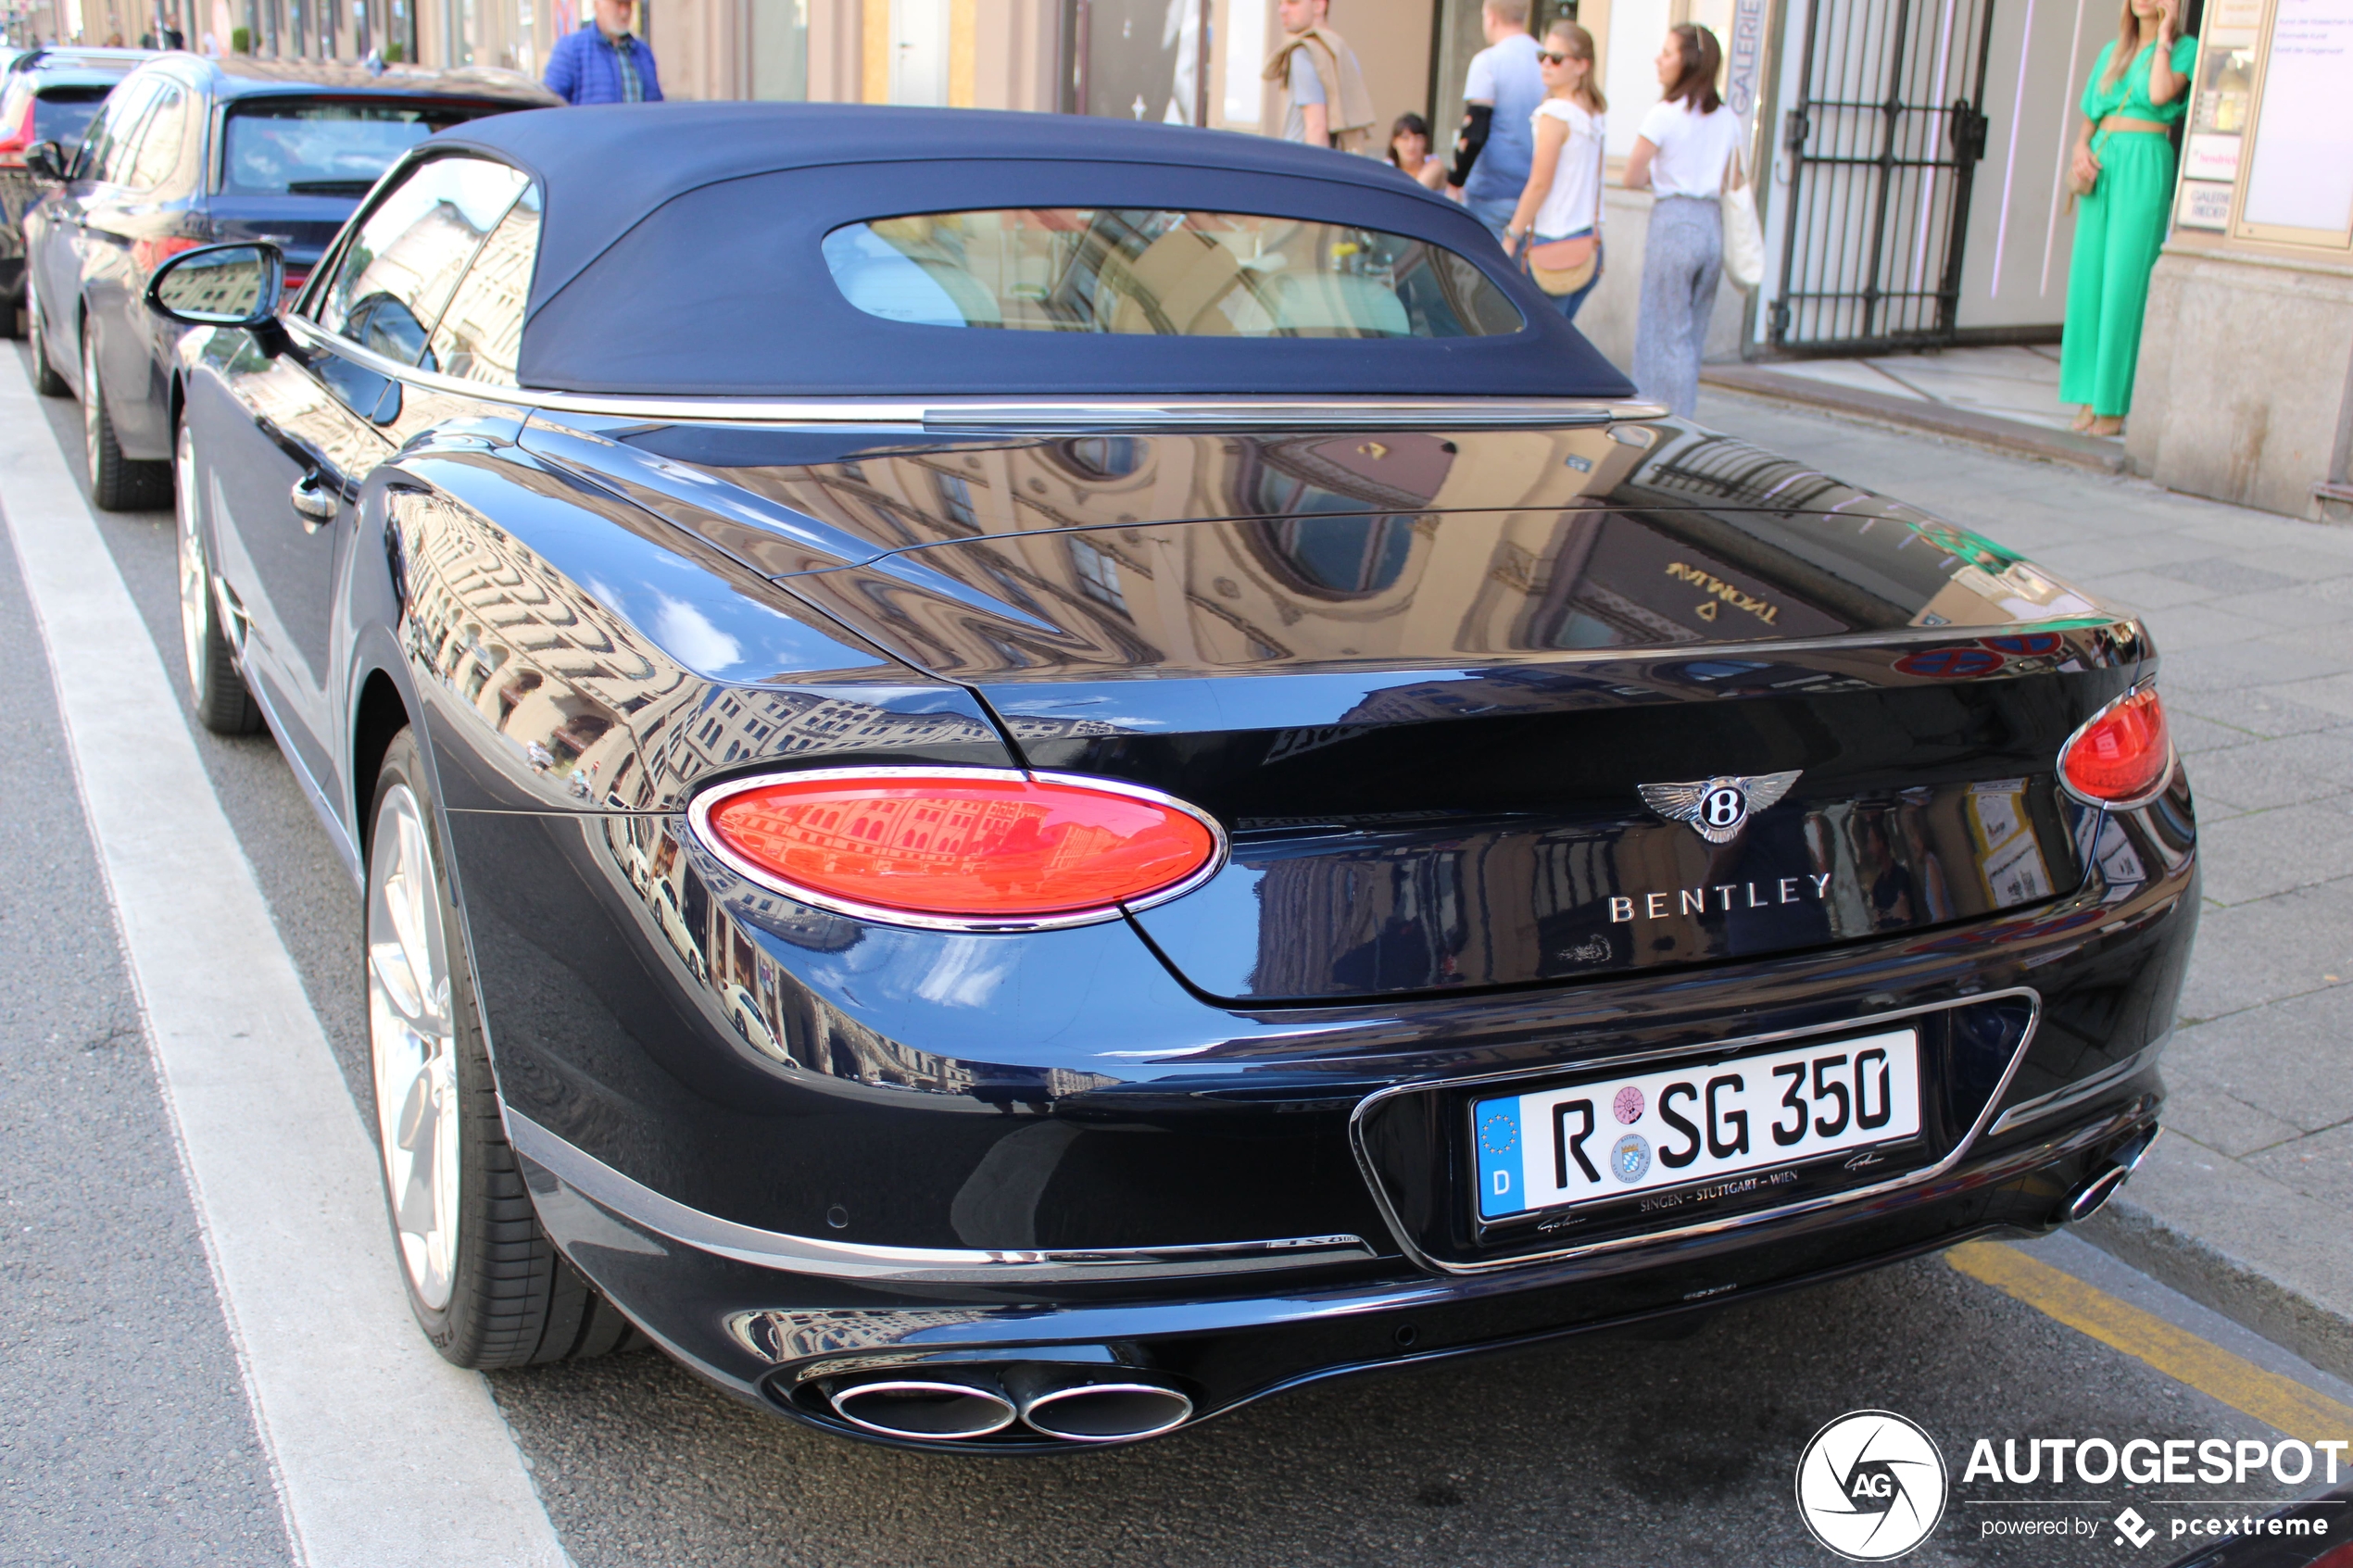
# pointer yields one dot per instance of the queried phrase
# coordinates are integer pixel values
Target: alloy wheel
(414, 1045)
(195, 589)
(90, 412)
(46, 380)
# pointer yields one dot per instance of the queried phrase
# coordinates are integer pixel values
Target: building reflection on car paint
(1000, 561)
(587, 705)
(727, 936)
(1326, 547)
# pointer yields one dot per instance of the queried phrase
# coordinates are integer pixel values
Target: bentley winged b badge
(1720, 807)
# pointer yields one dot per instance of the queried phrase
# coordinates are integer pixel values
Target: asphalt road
(125, 1437)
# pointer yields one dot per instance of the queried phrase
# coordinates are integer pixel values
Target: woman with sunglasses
(1559, 217)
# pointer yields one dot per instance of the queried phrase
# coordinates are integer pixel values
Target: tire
(46, 380)
(223, 703)
(12, 314)
(486, 1285)
(116, 483)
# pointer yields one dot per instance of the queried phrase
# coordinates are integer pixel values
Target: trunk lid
(1423, 679)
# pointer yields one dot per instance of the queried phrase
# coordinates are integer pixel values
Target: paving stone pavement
(2247, 1203)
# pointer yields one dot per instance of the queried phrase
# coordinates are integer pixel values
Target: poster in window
(2300, 178)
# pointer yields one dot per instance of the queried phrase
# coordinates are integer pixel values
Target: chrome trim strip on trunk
(996, 416)
(839, 1260)
(1279, 414)
(1710, 1050)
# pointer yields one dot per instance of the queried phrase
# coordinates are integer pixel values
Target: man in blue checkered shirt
(604, 63)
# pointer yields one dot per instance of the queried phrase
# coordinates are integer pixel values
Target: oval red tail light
(2122, 755)
(965, 851)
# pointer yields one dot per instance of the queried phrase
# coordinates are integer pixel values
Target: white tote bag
(1744, 236)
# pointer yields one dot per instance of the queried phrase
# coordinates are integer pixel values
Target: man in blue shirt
(604, 63)
(1497, 144)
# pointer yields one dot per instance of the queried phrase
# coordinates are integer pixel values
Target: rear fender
(578, 653)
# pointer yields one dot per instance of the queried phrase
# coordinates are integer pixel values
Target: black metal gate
(1882, 143)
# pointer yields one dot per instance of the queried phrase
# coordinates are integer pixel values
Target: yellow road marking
(2276, 1401)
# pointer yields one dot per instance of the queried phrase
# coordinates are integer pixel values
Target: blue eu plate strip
(1501, 1180)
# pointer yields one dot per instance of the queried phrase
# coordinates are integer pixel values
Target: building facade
(1910, 154)
(2246, 387)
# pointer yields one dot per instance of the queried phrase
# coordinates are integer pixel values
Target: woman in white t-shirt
(1681, 156)
(1562, 200)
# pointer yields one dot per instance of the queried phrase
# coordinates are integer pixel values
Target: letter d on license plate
(1613, 1138)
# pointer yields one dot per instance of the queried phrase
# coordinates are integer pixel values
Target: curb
(2007, 436)
(2286, 1273)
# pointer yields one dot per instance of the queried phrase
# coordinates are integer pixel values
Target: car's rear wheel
(223, 703)
(46, 380)
(485, 1283)
(12, 314)
(116, 483)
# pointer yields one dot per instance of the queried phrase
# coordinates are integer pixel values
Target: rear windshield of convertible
(1163, 274)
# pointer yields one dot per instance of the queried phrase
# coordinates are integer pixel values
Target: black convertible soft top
(680, 255)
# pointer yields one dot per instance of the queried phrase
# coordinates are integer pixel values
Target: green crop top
(2129, 96)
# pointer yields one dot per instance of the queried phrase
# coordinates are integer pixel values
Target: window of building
(780, 50)
(1098, 575)
(956, 500)
(1102, 457)
(1337, 556)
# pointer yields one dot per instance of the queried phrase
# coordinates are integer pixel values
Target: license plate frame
(1586, 1142)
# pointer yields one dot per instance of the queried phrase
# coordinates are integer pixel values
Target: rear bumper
(767, 1314)
(772, 1338)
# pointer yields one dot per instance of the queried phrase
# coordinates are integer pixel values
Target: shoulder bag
(1744, 236)
(1562, 266)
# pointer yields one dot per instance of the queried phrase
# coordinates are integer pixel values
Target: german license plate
(1615, 1137)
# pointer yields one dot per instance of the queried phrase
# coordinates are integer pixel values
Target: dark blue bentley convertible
(1016, 780)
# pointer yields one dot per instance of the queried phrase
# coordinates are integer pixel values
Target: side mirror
(232, 285)
(45, 160)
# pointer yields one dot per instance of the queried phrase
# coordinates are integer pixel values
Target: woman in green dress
(2124, 167)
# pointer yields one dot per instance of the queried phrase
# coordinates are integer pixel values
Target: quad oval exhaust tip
(2095, 1192)
(951, 1404)
(1103, 1410)
(923, 1407)
(2087, 1199)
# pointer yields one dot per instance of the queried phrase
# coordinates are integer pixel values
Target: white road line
(384, 1455)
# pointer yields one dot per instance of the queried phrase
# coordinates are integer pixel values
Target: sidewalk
(2003, 397)
(2247, 1203)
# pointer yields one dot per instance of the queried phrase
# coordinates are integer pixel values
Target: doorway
(1137, 60)
(919, 52)
(1881, 147)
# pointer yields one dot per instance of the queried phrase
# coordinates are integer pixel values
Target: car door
(314, 419)
(134, 231)
(65, 246)
(101, 249)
